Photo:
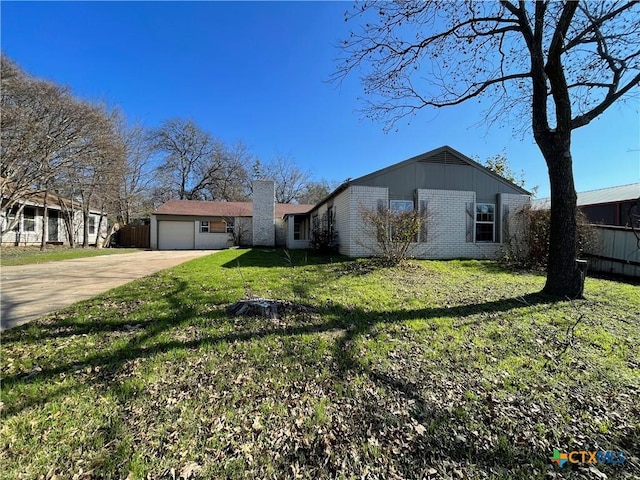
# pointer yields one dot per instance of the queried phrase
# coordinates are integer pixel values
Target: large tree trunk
(85, 233)
(99, 243)
(563, 277)
(45, 220)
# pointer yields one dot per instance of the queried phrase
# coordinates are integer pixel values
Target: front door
(53, 226)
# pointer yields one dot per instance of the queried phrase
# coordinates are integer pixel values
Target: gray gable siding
(442, 169)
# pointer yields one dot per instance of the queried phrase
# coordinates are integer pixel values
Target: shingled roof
(198, 208)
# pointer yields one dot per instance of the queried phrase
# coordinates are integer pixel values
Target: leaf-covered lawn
(436, 370)
(28, 255)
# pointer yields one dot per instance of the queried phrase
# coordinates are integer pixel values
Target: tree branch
(585, 119)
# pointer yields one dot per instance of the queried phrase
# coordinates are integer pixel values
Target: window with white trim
(401, 205)
(300, 227)
(214, 226)
(485, 222)
(92, 225)
(11, 217)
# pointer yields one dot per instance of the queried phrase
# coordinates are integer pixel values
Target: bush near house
(324, 238)
(395, 232)
(453, 369)
(532, 250)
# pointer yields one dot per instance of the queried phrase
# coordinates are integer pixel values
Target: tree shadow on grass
(419, 452)
(439, 441)
(276, 257)
(144, 343)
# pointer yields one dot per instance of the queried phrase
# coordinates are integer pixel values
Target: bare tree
(197, 166)
(561, 64)
(47, 134)
(135, 178)
(96, 159)
(291, 182)
(38, 125)
(186, 149)
(227, 173)
(315, 191)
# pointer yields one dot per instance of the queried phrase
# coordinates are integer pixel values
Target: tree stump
(259, 307)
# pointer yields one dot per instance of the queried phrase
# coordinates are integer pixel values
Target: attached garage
(202, 225)
(176, 235)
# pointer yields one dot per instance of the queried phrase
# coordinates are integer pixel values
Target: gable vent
(444, 158)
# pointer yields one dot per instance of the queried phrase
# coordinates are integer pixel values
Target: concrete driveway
(30, 291)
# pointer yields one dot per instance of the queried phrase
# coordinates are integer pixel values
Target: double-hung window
(204, 226)
(398, 227)
(92, 225)
(485, 222)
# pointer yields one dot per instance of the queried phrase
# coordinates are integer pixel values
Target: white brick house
(470, 212)
(470, 209)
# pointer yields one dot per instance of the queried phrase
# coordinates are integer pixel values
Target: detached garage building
(200, 225)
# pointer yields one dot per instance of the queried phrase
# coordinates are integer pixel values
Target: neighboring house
(605, 206)
(613, 212)
(190, 224)
(30, 218)
(471, 212)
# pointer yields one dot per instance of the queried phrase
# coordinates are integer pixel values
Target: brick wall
(264, 213)
(447, 223)
(447, 227)
(361, 239)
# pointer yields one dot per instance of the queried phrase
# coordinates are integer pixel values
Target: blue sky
(257, 72)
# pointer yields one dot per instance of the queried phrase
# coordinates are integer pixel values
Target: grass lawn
(445, 370)
(26, 255)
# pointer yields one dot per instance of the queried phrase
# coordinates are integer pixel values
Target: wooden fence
(134, 236)
(617, 251)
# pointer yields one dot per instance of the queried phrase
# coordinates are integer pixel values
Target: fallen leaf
(190, 470)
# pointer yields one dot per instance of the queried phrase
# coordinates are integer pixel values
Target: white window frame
(92, 225)
(300, 227)
(10, 215)
(491, 222)
(401, 205)
(204, 226)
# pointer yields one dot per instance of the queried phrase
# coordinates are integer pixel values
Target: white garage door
(173, 235)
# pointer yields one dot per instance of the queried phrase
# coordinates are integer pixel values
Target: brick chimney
(264, 209)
